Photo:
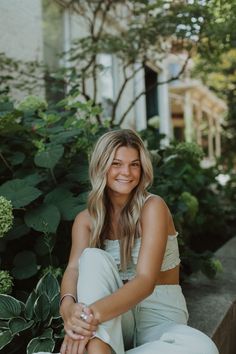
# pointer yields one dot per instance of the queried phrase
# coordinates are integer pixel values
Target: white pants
(157, 325)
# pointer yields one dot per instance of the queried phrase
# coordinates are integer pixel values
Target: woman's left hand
(75, 326)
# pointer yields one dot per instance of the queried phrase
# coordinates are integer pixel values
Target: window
(106, 83)
(151, 78)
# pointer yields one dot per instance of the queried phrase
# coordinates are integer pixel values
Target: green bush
(197, 202)
(44, 173)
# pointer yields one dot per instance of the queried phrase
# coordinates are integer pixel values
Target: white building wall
(21, 29)
(21, 32)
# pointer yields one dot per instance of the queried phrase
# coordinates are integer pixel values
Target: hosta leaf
(9, 307)
(50, 157)
(42, 308)
(19, 324)
(48, 333)
(19, 192)
(48, 285)
(40, 345)
(44, 218)
(55, 307)
(29, 306)
(25, 265)
(5, 338)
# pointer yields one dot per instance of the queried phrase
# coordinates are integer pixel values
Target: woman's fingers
(81, 324)
(82, 346)
(78, 332)
(86, 311)
(63, 349)
(80, 329)
(70, 346)
(73, 335)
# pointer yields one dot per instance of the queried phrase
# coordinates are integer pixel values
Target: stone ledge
(212, 303)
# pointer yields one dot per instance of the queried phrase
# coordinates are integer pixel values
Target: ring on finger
(83, 316)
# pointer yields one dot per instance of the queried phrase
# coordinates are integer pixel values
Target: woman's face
(125, 171)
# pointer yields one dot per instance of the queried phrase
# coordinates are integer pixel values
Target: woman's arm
(69, 310)
(154, 225)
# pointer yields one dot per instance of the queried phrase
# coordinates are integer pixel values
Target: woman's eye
(136, 164)
(116, 164)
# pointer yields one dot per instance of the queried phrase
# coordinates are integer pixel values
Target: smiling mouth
(123, 181)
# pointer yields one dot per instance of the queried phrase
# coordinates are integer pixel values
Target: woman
(124, 295)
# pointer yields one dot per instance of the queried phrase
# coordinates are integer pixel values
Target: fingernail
(94, 333)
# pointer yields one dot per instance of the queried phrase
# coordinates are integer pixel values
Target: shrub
(44, 153)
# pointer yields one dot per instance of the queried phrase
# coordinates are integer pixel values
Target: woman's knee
(94, 257)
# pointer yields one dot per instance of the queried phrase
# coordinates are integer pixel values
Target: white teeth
(123, 181)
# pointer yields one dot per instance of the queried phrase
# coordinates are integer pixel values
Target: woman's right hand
(75, 327)
(71, 346)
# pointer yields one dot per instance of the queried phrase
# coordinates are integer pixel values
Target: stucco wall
(21, 32)
(21, 29)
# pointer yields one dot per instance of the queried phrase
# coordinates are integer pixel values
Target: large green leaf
(48, 285)
(57, 195)
(68, 205)
(34, 179)
(19, 229)
(71, 208)
(19, 192)
(65, 136)
(50, 157)
(25, 265)
(40, 345)
(29, 306)
(5, 338)
(47, 333)
(9, 307)
(79, 173)
(55, 307)
(17, 158)
(42, 308)
(45, 218)
(19, 324)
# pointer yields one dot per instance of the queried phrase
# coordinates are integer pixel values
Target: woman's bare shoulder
(83, 219)
(156, 201)
(156, 204)
(153, 206)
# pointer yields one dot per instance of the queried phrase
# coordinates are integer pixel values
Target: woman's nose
(125, 170)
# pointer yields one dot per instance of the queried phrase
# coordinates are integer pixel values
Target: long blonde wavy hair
(99, 204)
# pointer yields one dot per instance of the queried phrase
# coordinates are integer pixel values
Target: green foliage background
(45, 148)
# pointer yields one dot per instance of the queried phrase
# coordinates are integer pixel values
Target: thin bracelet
(65, 295)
